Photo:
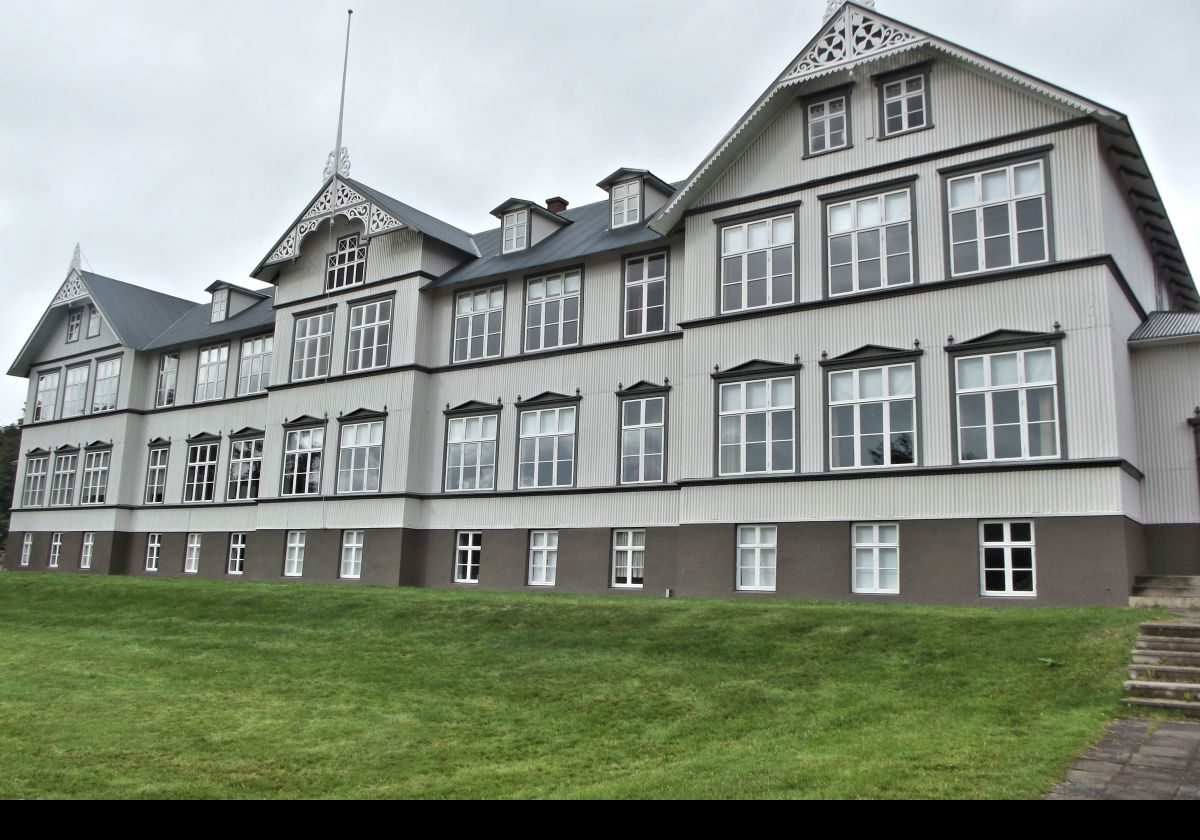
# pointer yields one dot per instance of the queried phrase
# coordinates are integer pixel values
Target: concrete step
(1169, 580)
(1168, 658)
(1189, 674)
(1190, 708)
(1175, 629)
(1162, 690)
(1170, 602)
(1165, 643)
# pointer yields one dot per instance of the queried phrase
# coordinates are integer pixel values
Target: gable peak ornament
(339, 159)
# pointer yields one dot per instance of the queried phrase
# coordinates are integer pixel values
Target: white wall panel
(579, 510)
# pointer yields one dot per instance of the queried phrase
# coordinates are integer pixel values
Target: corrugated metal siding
(1167, 386)
(558, 511)
(1123, 236)
(438, 258)
(1160, 325)
(394, 254)
(1123, 319)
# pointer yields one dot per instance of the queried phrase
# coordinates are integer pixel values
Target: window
(26, 549)
(515, 230)
(62, 484)
(220, 305)
(1008, 406)
(168, 377)
(34, 494)
(756, 557)
(108, 376)
(237, 554)
(55, 549)
(870, 243)
(74, 324)
(478, 323)
(347, 266)
(191, 557)
(471, 453)
(352, 554)
(827, 126)
(756, 264)
(95, 478)
(359, 457)
(200, 481)
(156, 476)
(93, 326)
(872, 420)
(293, 559)
(547, 448)
(645, 295)
(153, 548)
(245, 469)
(469, 544)
(876, 558)
(1006, 558)
(543, 557)
(629, 558)
(89, 547)
(904, 107)
(642, 440)
(626, 203)
(310, 353)
(210, 372)
(756, 426)
(254, 370)
(302, 462)
(370, 336)
(552, 312)
(75, 394)
(998, 218)
(47, 396)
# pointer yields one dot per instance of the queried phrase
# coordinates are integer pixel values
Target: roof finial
(832, 7)
(339, 158)
(76, 260)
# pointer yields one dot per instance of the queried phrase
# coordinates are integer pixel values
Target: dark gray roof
(418, 221)
(196, 326)
(135, 314)
(1166, 325)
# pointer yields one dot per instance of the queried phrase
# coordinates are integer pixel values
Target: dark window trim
(907, 182)
(916, 68)
(304, 421)
(768, 369)
(72, 310)
(924, 70)
(477, 411)
(360, 239)
(361, 415)
(873, 360)
(501, 284)
(369, 416)
(351, 305)
(291, 378)
(634, 393)
(643, 388)
(247, 434)
(347, 290)
(65, 361)
(301, 423)
(646, 255)
(899, 357)
(200, 348)
(741, 373)
(525, 281)
(763, 214)
(203, 437)
(782, 209)
(845, 90)
(890, 185)
(997, 160)
(538, 403)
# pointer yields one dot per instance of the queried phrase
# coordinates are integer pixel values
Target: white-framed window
(74, 324)
(352, 555)
(26, 549)
(34, 492)
(1008, 405)
(237, 554)
(293, 559)
(254, 368)
(167, 380)
(827, 125)
(478, 324)
(756, 264)
(998, 218)
(552, 311)
(643, 436)
(191, 556)
(211, 371)
(645, 295)
(47, 396)
(370, 336)
(872, 417)
(1006, 558)
(62, 483)
(200, 480)
(359, 457)
(310, 351)
(546, 453)
(108, 377)
(757, 426)
(468, 546)
(93, 326)
(75, 394)
(347, 265)
(302, 461)
(55, 549)
(471, 452)
(156, 476)
(516, 231)
(88, 549)
(543, 557)
(95, 477)
(628, 558)
(870, 243)
(756, 557)
(220, 305)
(904, 105)
(153, 549)
(876, 557)
(626, 203)
(245, 468)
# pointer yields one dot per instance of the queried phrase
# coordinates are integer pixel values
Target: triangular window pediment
(304, 420)
(756, 366)
(1004, 338)
(362, 414)
(39, 452)
(159, 442)
(246, 432)
(473, 407)
(548, 398)
(852, 34)
(99, 444)
(871, 353)
(66, 449)
(643, 386)
(203, 437)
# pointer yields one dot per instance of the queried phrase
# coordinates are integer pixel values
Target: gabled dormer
(228, 300)
(634, 195)
(524, 223)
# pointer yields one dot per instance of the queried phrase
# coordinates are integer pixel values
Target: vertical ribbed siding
(1123, 321)
(534, 510)
(1167, 390)
(394, 254)
(1123, 237)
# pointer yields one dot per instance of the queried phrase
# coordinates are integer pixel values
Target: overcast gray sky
(177, 141)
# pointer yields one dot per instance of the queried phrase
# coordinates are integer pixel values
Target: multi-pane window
(347, 265)
(478, 323)
(108, 376)
(200, 481)
(168, 378)
(756, 426)
(156, 476)
(153, 549)
(254, 369)
(88, 549)
(220, 305)
(62, 483)
(95, 477)
(756, 557)
(237, 554)
(756, 264)
(55, 549)
(302, 462)
(468, 545)
(34, 493)
(1008, 405)
(516, 230)
(645, 294)
(547, 448)
(628, 557)
(872, 421)
(998, 218)
(75, 394)
(191, 557)
(93, 326)
(471, 452)
(370, 335)
(293, 558)
(359, 457)
(876, 557)
(26, 549)
(1006, 556)
(827, 126)
(626, 203)
(245, 468)
(870, 243)
(310, 352)
(211, 371)
(543, 557)
(47, 396)
(904, 105)
(642, 440)
(352, 554)
(552, 311)
(74, 324)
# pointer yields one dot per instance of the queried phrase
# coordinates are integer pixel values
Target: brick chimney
(556, 204)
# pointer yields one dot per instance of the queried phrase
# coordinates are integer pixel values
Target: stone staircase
(1165, 670)
(1171, 591)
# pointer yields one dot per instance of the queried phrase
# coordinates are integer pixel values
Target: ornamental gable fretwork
(851, 36)
(337, 199)
(71, 288)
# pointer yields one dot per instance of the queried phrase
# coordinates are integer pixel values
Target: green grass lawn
(129, 687)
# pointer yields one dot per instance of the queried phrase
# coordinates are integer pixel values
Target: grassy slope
(120, 687)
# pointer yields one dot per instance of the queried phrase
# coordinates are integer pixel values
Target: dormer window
(220, 305)
(626, 203)
(93, 326)
(516, 226)
(347, 264)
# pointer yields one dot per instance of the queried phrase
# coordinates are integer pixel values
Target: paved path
(1138, 759)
